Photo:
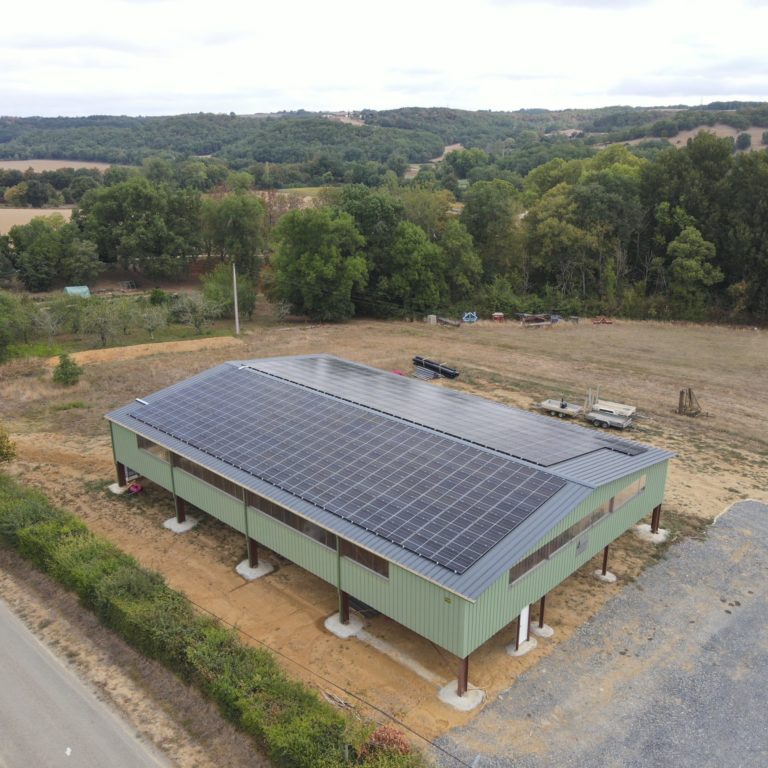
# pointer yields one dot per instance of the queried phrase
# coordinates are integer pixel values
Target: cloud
(608, 5)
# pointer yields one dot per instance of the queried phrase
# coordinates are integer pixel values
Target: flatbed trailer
(607, 420)
(560, 408)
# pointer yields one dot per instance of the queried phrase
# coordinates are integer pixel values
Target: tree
(217, 289)
(37, 250)
(142, 225)
(153, 318)
(194, 310)
(67, 372)
(100, 319)
(691, 272)
(318, 263)
(233, 229)
(743, 141)
(463, 268)
(414, 279)
(491, 214)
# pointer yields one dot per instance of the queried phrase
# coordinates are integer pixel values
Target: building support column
(253, 552)
(343, 607)
(541, 611)
(120, 469)
(523, 633)
(605, 560)
(656, 519)
(463, 680)
(181, 509)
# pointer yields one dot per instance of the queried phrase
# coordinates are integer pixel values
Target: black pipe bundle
(444, 370)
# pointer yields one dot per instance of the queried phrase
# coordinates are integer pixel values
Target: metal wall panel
(128, 452)
(425, 608)
(298, 548)
(215, 502)
(502, 603)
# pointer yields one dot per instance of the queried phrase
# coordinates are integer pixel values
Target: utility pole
(234, 295)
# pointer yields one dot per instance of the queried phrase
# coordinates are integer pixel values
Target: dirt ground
(64, 448)
(51, 165)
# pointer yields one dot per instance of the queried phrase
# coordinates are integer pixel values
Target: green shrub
(20, 509)
(82, 562)
(67, 372)
(7, 446)
(40, 542)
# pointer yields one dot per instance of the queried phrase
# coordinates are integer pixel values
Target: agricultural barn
(446, 512)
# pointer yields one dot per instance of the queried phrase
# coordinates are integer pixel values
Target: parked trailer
(560, 408)
(608, 407)
(606, 420)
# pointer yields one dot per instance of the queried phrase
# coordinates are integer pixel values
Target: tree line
(680, 234)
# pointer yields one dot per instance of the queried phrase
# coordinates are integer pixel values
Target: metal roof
(430, 410)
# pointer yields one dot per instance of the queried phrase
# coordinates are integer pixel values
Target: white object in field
(560, 407)
(594, 403)
(344, 631)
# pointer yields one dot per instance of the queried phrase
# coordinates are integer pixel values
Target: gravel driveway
(672, 672)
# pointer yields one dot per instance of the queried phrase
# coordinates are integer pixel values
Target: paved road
(48, 718)
(672, 672)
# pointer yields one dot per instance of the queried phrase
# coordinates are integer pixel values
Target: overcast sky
(159, 57)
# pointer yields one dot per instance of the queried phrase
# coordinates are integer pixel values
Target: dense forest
(528, 216)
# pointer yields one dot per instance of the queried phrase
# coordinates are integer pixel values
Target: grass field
(64, 448)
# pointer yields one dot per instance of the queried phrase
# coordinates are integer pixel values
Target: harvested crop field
(64, 448)
(50, 165)
(10, 217)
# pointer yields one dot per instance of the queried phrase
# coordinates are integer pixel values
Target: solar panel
(439, 497)
(527, 436)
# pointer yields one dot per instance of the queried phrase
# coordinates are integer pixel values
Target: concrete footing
(545, 631)
(117, 489)
(643, 532)
(466, 703)
(525, 647)
(174, 525)
(251, 574)
(334, 626)
(606, 578)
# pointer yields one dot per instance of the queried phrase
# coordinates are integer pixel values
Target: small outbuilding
(78, 290)
(449, 513)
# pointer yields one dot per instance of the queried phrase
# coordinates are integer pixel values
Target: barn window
(156, 450)
(365, 558)
(298, 523)
(204, 474)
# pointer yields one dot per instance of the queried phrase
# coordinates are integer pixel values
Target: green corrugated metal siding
(427, 609)
(211, 500)
(502, 603)
(300, 549)
(127, 452)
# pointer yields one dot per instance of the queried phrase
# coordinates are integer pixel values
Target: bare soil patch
(10, 217)
(721, 458)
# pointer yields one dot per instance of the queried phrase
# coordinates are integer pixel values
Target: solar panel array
(526, 436)
(441, 498)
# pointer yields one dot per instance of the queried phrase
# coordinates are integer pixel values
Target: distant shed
(78, 290)
(449, 513)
